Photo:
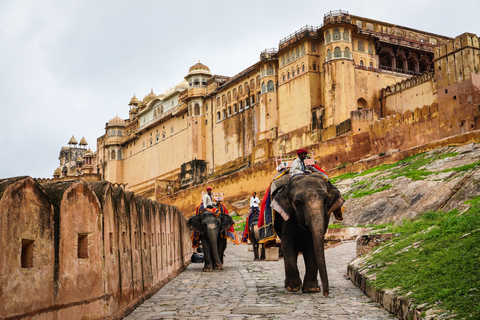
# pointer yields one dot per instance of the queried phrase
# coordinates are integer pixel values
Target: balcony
(268, 54)
(307, 31)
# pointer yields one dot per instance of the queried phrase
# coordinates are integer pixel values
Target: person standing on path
(254, 202)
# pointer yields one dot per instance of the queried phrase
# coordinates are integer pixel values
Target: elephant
(210, 228)
(302, 210)
(255, 238)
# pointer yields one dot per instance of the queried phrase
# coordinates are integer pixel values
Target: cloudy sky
(67, 67)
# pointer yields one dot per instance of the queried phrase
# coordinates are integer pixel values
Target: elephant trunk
(316, 220)
(213, 234)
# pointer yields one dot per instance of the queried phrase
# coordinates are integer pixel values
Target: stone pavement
(248, 289)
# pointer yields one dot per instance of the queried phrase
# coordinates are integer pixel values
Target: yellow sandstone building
(321, 84)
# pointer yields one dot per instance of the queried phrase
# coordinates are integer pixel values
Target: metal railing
(335, 13)
(299, 34)
(268, 54)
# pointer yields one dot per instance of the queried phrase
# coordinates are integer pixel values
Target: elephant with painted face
(210, 228)
(302, 209)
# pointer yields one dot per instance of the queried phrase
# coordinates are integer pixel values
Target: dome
(57, 172)
(79, 159)
(72, 140)
(89, 153)
(199, 68)
(83, 142)
(149, 97)
(116, 122)
(181, 86)
(134, 101)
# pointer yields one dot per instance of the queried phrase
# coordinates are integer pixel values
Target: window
(257, 81)
(252, 99)
(240, 106)
(171, 131)
(298, 51)
(361, 63)
(113, 155)
(229, 96)
(240, 90)
(264, 89)
(197, 109)
(360, 46)
(119, 155)
(27, 253)
(283, 77)
(336, 34)
(329, 54)
(247, 103)
(246, 87)
(224, 100)
(218, 116)
(234, 93)
(314, 66)
(328, 37)
(270, 86)
(235, 108)
(288, 75)
(82, 248)
(337, 53)
(346, 35)
(218, 101)
(196, 82)
(224, 114)
(347, 52)
(298, 70)
(269, 70)
(371, 64)
(229, 111)
(303, 68)
(370, 48)
(252, 84)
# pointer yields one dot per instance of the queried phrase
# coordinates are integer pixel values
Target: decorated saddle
(227, 234)
(252, 218)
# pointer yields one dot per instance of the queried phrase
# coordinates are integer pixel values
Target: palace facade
(305, 92)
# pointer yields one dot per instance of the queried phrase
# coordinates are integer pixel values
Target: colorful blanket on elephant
(246, 229)
(227, 234)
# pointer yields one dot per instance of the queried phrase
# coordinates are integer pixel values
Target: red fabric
(320, 169)
(209, 189)
(300, 151)
(261, 220)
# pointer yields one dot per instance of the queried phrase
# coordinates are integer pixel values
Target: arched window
(224, 114)
(246, 87)
(293, 73)
(196, 82)
(247, 103)
(197, 109)
(252, 99)
(361, 63)
(298, 70)
(314, 47)
(240, 106)
(298, 51)
(235, 108)
(240, 90)
(371, 64)
(119, 133)
(113, 155)
(337, 53)
(360, 46)
(270, 86)
(347, 52)
(269, 70)
(303, 68)
(218, 119)
(288, 75)
(362, 104)
(204, 82)
(229, 96)
(252, 84)
(346, 35)
(303, 48)
(257, 81)
(328, 37)
(263, 87)
(224, 100)
(234, 93)
(218, 101)
(359, 24)
(329, 54)
(258, 96)
(314, 66)
(119, 156)
(336, 34)
(283, 77)
(229, 111)
(370, 48)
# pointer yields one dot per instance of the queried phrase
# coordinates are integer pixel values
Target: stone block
(271, 254)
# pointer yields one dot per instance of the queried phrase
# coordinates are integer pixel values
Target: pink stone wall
(74, 250)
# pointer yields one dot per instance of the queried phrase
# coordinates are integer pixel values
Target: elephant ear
(334, 199)
(282, 205)
(225, 221)
(195, 223)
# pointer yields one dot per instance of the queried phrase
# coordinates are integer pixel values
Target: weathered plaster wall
(72, 250)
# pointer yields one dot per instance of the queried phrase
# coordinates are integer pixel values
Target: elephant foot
(218, 266)
(255, 259)
(293, 286)
(313, 289)
(207, 269)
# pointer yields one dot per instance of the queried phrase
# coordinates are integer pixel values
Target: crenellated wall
(77, 250)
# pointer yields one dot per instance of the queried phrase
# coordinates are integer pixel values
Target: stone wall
(77, 250)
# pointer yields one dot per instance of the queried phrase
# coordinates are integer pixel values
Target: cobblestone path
(254, 290)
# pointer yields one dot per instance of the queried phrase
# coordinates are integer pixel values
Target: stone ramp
(254, 290)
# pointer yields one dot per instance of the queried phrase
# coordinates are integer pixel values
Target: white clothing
(298, 166)
(207, 201)
(254, 202)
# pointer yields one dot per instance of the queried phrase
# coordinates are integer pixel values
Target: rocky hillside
(444, 178)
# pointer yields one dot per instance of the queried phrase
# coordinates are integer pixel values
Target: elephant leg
(262, 254)
(310, 282)
(293, 282)
(207, 254)
(222, 245)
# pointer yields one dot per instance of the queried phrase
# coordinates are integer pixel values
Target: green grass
(371, 191)
(240, 226)
(442, 270)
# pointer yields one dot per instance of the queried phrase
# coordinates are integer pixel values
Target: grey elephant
(210, 228)
(302, 209)
(259, 254)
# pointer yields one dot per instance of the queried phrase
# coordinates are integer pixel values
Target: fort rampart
(77, 250)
